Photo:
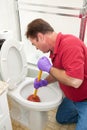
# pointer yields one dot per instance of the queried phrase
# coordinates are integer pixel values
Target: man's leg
(67, 113)
(82, 115)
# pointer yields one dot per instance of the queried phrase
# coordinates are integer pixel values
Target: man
(69, 67)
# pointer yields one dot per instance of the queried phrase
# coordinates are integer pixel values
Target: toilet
(13, 66)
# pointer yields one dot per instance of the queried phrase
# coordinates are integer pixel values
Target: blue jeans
(73, 112)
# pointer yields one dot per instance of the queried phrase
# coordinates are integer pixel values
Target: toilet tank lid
(13, 62)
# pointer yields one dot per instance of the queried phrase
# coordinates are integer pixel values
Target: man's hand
(41, 83)
(44, 64)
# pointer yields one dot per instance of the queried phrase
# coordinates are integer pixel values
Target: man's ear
(40, 36)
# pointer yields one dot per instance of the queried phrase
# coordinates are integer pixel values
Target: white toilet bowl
(14, 71)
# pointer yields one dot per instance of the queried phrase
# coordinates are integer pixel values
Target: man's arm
(62, 77)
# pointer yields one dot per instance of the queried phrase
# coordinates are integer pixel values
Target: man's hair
(36, 26)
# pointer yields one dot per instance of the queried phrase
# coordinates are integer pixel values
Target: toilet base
(34, 120)
(38, 120)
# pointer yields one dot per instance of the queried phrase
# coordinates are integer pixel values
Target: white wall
(8, 17)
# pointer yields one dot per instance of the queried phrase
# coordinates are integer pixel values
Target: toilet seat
(13, 62)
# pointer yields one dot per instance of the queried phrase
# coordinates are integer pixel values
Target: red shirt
(70, 54)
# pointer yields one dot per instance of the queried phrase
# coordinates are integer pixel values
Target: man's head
(38, 26)
(39, 32)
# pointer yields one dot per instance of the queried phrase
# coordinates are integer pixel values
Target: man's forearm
(62, 77)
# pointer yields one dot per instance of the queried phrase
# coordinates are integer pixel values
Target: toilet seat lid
(13, 62)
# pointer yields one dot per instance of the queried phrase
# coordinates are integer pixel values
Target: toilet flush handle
(38, 79)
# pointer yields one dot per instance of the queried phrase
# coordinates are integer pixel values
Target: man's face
(40, 42)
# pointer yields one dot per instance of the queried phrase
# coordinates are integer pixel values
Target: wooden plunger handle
(38, 79)
(39, 75)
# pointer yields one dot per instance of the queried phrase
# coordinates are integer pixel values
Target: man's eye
(33, 44)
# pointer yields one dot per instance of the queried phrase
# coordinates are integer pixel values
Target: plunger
(34, 97)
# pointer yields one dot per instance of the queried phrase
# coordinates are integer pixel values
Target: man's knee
(60, 119)
(64, 119)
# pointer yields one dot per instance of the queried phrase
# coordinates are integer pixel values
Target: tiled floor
(51, 125)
